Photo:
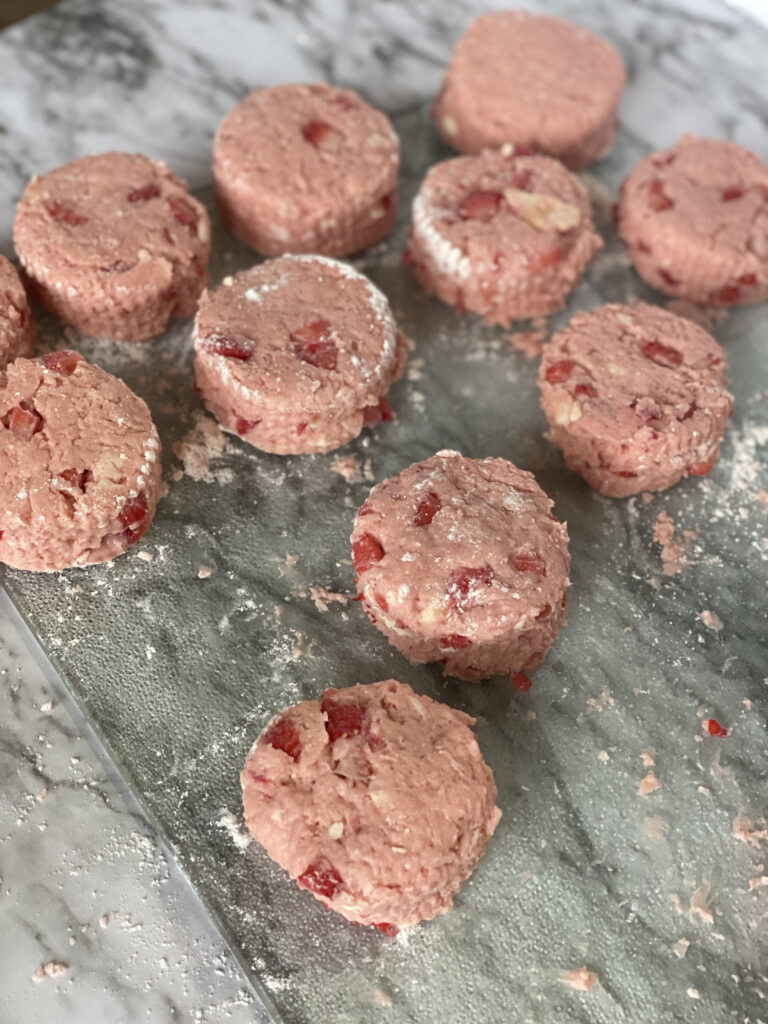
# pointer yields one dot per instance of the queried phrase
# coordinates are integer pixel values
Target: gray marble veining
(158, 77)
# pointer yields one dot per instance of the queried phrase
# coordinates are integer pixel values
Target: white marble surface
(82, 880)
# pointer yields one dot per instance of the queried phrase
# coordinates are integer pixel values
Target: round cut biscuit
(17, 326)
(297, 354)
(375, 799)
(461, 561)
(308, 169)
(79, 464)
(114, 245)
(505, 234)
(695, 221)
(527, 79)
(635, 397)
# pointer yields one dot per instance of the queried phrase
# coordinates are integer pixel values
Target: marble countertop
(96, 921)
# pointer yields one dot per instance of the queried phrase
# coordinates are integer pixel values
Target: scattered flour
(198, 446)
(229, 823)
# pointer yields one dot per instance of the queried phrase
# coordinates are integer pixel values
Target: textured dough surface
(374, 798)
(501, 234)
(306, 168)
(461, 561)
(114, 244)
(17, 327)
(635, 397)
(297, 354)
(79, 464)
(695, 220)
(531, 80)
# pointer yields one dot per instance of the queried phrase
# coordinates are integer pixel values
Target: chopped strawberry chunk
(387, 413)
(662, 355)
(559, 372)
(283, 735)
(64, 214)
(365, 510)
(382, 602)
(480, 205)
(455, 641)
(134, 510)
(748, 280)
(321, 878)
(715, 729)
(657, 197)
(521, 682)
(243, 426)
(525, 562)
(23, 422)
(321, 136)
(73, 480)
(427, 509)
(300, 428)
(313, 344)
(727, 294)
(732, 192)
(585, 389)
(64, 362)
(342, 720)
(545, 612)
(703, 468)
(141, 195)
(366, 551)
(183, 212)
(548, 259)
(390, 930)
(627, 474)
(667, 277)
(523, 179)
(382, 412)
(232, 346)
(464, 586)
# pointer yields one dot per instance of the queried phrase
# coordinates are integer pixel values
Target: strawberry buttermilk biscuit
(461, 561)
(503, 235)
(375, 799)
(297, 355)
(635, 397)
(695, 220)
(530, 80)
(113, 244)
(17, 328)
(306, 168)
(79, 464)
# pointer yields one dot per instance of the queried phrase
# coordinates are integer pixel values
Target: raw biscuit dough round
(297, 354)
(114, 245)
(79, 464)
(374, 798)
(695, 221)
(527, 79)
(461, 561)
(635, 397)
(17, 326)
(503, 234)
(306, 168)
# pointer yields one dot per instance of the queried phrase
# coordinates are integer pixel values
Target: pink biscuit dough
(461, 561)
(297, 355)
(375, 799)
(17, 327)
(306, 168)
(531, 80)
(503, 235)
(635, 397)
(113, 244)
(695, 220)
(79, 464)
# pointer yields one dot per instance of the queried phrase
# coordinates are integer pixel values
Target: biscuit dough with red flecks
(17, 327)
(79, 464)
(297, 354)
(635, 397)
(461, 561)
(695, 221)
(113, 244)
(504, 234)
(375, 799)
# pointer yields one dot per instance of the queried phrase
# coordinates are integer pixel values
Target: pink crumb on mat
(711, 620)
(581, 979)
(648, 784)
(747, 831)
(673, 556)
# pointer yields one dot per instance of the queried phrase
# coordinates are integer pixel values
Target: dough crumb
(748, 832)
(581, 979)
(648, 784)
(144, 555)
(323, 598)
(348, 467)
(204, 572)
(53, 969)
(531, 343)
(681, 947)
(758, 883)
(382, 998)
(105, 920)
(673, 557)
(693, 993)
(711, 620)
(762, 496)
(198, 446)
(648, 757)
(698, 906)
